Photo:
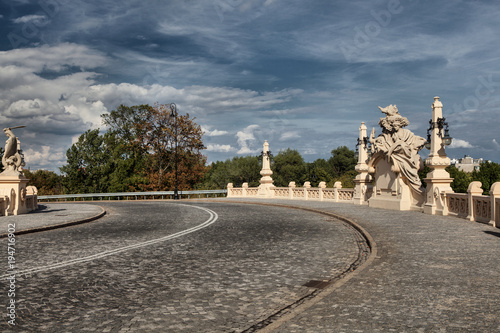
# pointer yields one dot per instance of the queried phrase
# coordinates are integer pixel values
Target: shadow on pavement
(43, 209)
(494, 233)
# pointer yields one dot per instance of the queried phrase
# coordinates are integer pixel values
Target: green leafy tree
(86, 161)
(319, 171)
(347, 179)
(46, 182)
(488, 174)
(238, 170)
(461, 179)
(289, 166)
(343, 159)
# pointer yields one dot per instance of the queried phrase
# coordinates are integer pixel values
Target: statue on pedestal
(400, 146)
(395, 164)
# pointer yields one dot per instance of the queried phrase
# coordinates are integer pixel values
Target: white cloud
(220, 148)
(30, 18)
(44, 157)
(245, 138)
(289, 135)
(458, 143)
(214, 132)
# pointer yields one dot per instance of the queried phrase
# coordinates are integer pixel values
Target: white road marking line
(212, 219)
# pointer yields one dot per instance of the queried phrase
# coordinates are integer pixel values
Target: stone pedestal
(266, 187)
(13, 190)
(363, 179)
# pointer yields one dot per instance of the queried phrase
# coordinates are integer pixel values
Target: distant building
(467, 163)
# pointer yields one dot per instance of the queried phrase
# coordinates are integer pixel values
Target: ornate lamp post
(438, 180)
(173, 113)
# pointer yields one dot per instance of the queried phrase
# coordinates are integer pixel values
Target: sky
(300, 74)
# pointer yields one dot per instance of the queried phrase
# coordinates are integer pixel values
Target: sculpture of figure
(13, 158)
(400, 145)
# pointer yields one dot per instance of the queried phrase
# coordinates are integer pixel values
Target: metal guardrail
(135, 195)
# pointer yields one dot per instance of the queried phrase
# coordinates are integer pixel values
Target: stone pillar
(321, 186)
(244, 189)
(494, 194)
(336, 187)
(362, 180)
(307, 185)
(230, 190)
(438, 180)
(473, 189)
(291, 186)
(266, 187)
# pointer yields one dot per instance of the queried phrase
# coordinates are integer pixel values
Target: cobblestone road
(431, 274)
(251, 262)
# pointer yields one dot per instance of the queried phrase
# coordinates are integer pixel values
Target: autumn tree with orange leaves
(158, 137)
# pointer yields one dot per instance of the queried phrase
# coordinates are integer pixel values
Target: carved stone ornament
(400, 146)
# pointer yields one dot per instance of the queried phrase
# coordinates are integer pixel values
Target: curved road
(175, 267)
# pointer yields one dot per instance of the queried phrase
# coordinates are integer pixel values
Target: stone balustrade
(320, 193)
(474, 206)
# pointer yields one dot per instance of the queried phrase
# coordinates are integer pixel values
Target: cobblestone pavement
(250, 263)
(431, 274)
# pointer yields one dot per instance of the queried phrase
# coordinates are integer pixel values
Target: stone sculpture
(396, 163)
(400, 146)
(13, 159)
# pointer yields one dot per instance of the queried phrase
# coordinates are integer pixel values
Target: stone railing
(474, 206)
(320, 193)
(31, 198)
(457, 204)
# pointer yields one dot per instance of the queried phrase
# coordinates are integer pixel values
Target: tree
(488, 174)
(343, 159)
(461, 179)
(85, 166)
(141, 150)
(165, 153)
(46, 182)
(238, 170)
(289, 166)
(319, 171)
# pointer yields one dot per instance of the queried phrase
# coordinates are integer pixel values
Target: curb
(57, 226)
